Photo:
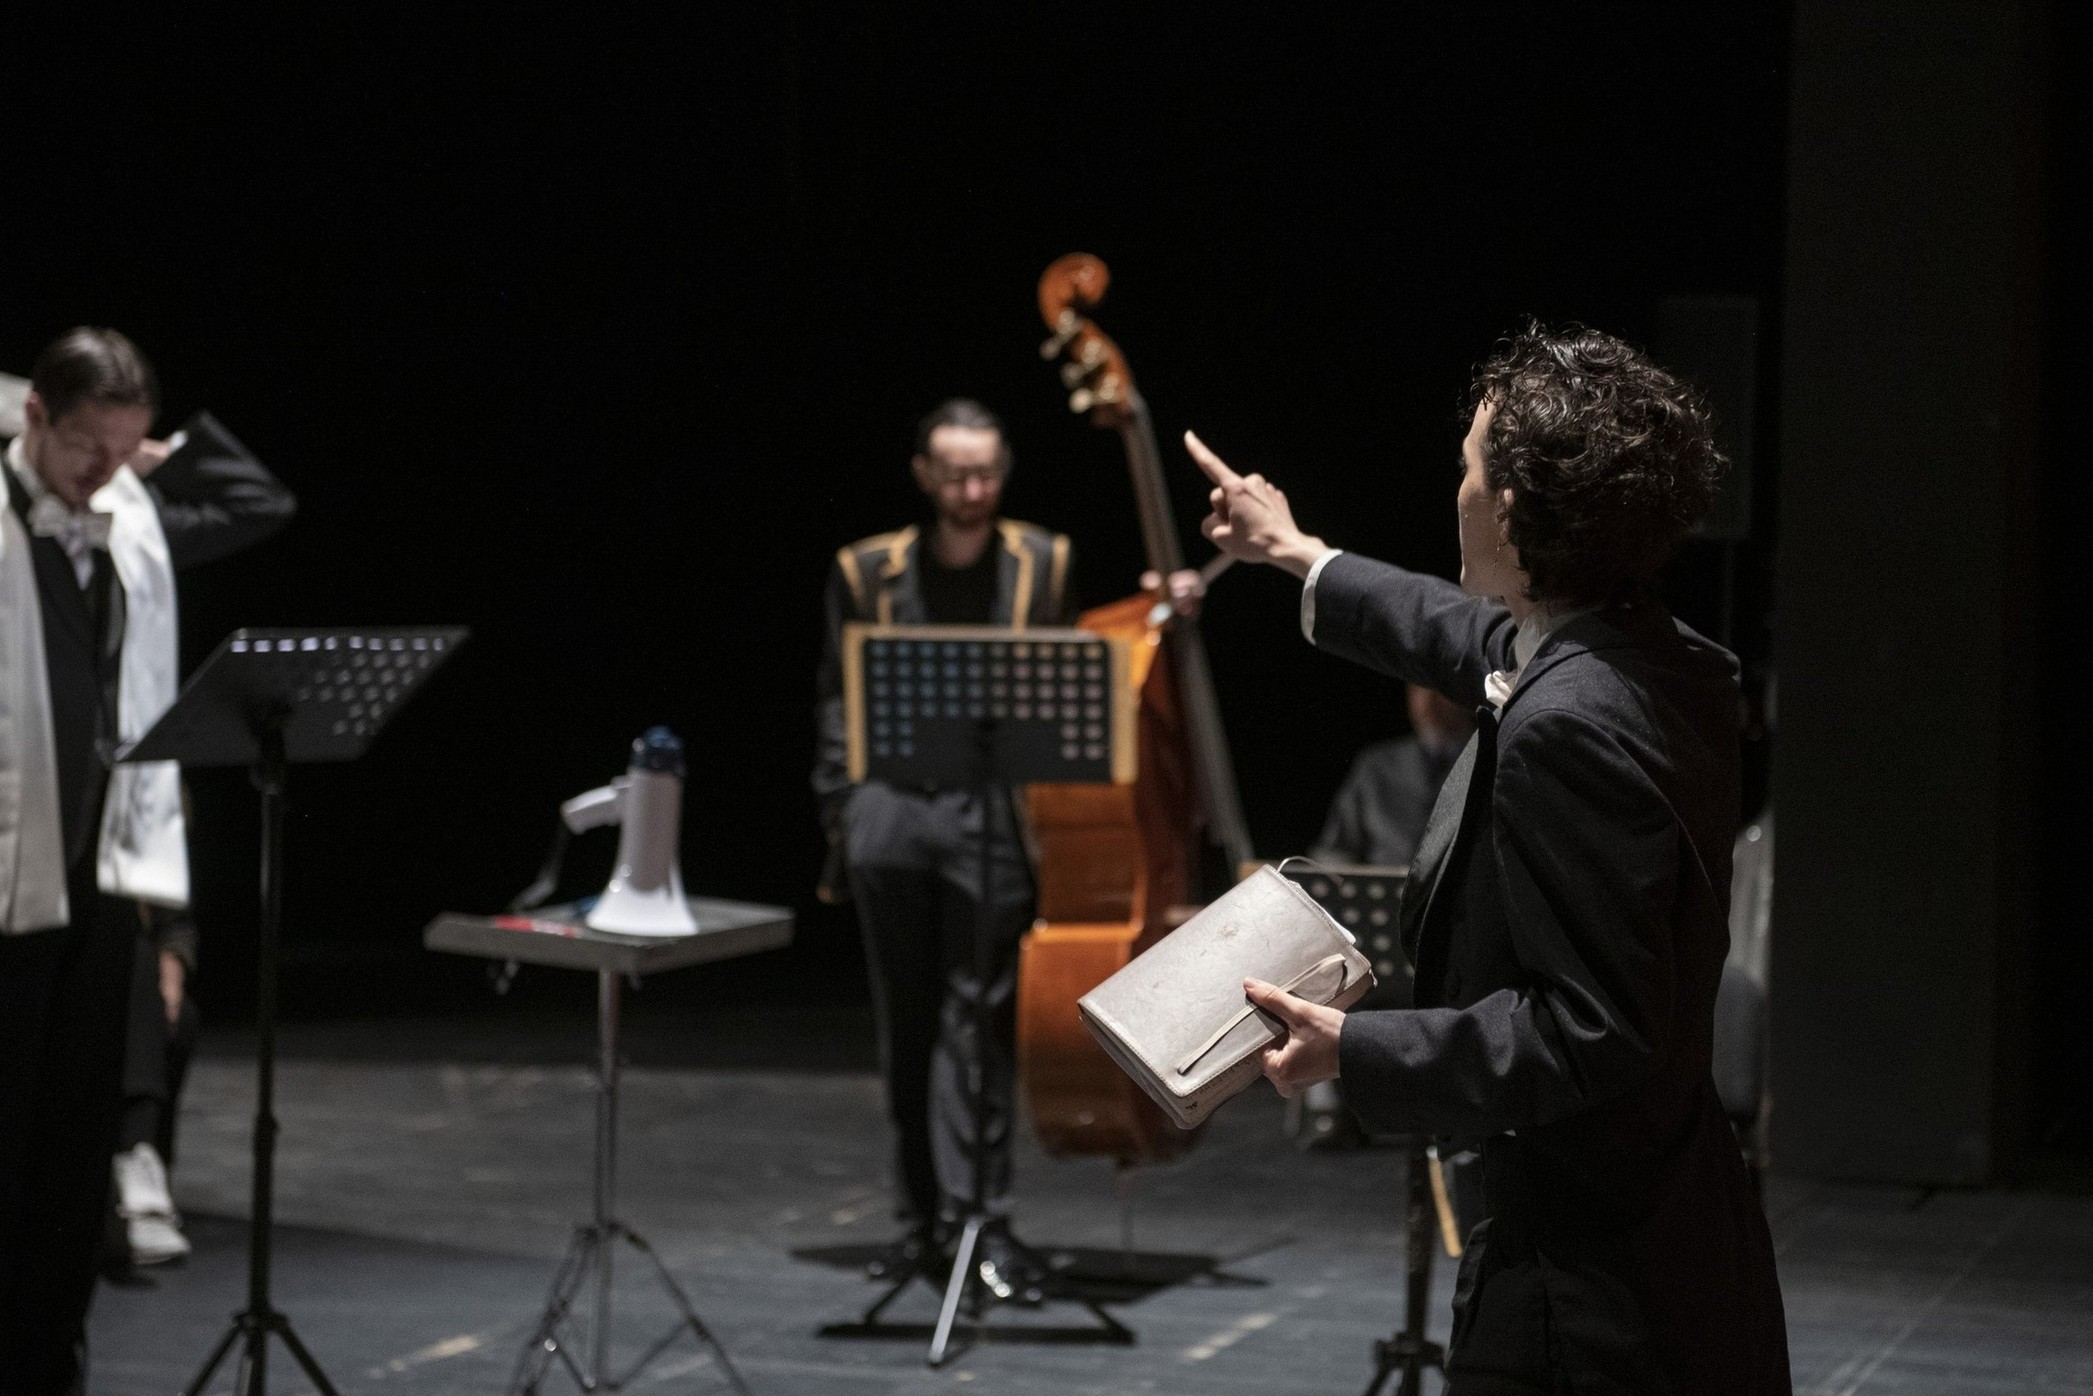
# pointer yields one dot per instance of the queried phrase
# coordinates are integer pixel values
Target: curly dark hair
(1610, 460)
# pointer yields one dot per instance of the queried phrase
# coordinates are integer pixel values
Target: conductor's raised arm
(1418, 628)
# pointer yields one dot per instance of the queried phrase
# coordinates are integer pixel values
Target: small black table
(556, 937)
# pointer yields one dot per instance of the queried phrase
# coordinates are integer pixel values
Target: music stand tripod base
(267, 699)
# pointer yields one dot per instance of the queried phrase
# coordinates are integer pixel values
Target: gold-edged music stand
(977, 707)
(920, 701)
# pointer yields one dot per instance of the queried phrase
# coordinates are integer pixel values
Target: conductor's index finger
(1216, 469)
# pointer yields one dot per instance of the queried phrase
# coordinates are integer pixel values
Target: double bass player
(909, 857)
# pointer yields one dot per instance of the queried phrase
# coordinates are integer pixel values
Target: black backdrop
(600, 333)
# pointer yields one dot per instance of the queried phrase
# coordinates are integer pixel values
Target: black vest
(83, 649)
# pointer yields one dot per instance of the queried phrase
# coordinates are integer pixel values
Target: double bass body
(1114, 862)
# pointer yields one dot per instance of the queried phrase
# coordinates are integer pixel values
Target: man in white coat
(88, 550)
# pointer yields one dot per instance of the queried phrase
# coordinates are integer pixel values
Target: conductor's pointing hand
(1251, 519)
(1308, 1053)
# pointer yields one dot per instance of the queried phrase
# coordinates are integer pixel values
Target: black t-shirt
(960, 595)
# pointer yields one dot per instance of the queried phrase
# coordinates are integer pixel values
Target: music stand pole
(252, 1326)
(1410, 1352)
(606, 1168)
(984, 928)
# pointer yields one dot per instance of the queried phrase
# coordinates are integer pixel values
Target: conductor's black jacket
(1567, 918)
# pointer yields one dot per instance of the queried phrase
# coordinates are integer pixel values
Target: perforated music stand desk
(559, 937)
(322, 692)
(1366, 899)
(954, 705)
(267, 699)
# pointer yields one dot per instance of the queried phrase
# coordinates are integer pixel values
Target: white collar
(1529, 638)
(1526, 643)
(33, 484)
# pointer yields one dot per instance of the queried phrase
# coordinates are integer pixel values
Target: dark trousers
(915, 874)
(64, 997)
(156, 1063)
(156, 1057)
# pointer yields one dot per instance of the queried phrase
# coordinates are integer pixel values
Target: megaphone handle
(591, 808)
(548, 880)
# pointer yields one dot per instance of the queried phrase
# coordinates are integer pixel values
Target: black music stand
(266, 699)
(1367, 901)
(983, 707)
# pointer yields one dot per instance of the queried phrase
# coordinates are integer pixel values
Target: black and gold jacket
(878, 579)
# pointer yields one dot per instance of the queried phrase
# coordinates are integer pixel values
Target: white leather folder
(1175, 1018)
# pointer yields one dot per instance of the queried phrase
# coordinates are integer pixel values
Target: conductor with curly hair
(1566, 913)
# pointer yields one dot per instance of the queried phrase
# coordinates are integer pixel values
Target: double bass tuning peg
(1106, 393)
(1065, 329)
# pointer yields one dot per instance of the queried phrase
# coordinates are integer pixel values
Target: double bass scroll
(1095, 371)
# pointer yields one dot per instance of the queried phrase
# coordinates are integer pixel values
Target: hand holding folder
(1176, 1020)
(1308, 1052)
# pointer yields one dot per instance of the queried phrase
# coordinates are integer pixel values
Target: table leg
(606, 1161)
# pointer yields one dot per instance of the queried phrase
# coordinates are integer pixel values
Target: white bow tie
(76, 533)
(1498, 685)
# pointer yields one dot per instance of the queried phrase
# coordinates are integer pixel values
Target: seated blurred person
(1375, 819)
(1380, 810)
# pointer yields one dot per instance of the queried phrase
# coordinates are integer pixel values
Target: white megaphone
(645, 895)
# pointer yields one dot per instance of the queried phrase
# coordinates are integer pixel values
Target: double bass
(1119, 863)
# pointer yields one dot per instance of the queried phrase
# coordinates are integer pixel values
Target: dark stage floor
(427, 1202)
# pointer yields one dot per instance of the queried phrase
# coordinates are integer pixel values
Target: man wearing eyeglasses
(96, 518)
(910, 857)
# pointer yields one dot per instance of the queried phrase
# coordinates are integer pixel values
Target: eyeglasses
(946, 474)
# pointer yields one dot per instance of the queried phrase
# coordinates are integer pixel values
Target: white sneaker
(156, 1240)
(151, 1223)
